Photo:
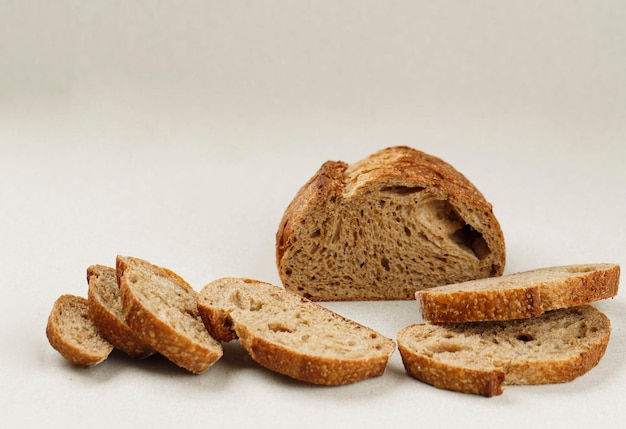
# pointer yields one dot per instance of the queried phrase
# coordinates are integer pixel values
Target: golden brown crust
(109, 320)
(595, 282)
(325, 185)
(338, 188)
(72, 343)
(159, 331)
(466, 380)
(471, 306)
(520, 295)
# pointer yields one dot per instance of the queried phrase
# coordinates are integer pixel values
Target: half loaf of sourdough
(105, 310)
(520, 295)
(291, 335)
(480, 357)
(161, 308)
(393, 223)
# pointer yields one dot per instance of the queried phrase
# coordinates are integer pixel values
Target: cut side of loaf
(105, 310)
(393, 223)
(161, 309)
(291, 335)
(480, 357)
(521, 295)
(71, 332)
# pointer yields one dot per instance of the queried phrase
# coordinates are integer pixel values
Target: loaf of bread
(291, 335)
(521, 295)
(105, 310)
(480, 357)
(384, 227)
(71, 332)
(161, 308)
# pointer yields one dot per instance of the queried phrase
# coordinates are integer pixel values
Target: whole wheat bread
(291, 335)
(480, 357)
(520, 295)
(105, 310)
(161, 309)
(395, 222)
(71, 332)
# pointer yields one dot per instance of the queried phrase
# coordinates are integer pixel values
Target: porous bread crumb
(384, 227)
(105, 310)
(161, 308)
(557, 347)
(71, 332)
(292, 335)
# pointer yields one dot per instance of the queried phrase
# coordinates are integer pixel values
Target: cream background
(178, 131)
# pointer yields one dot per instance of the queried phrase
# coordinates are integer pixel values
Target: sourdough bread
(291, 335)
(105, 310)
(71, 332)
(480, 357)
(393, 223)
(161, 309)
(520, 295)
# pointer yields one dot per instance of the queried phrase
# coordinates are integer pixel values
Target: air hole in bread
(446, 347)
(407, 231)
(525, 338)
(279, 327)
(581, 269)
(385, 264)
(316, 233)
(255, 305)
(402, 190)
(468, 237)
(337, 232)
(236, 299)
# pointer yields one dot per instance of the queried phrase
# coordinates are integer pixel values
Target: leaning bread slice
(480, 357)
(161, 308)
(395, 222)
(520, 295)
(105, 310)
(291, 335)
(71, 332)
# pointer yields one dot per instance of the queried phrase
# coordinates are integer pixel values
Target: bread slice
(480, 357)
(71, 332)
(105, 310)
(393, 223)
(161, 308)
(291, 335)
(520, 295)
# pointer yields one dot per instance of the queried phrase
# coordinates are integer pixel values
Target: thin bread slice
(71, 332)
(161, 308)
(105, 310)
(480, 357)
(520, 295)
(395, 222)
(291, 335)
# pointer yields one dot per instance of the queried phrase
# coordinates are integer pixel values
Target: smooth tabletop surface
(179, 132)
